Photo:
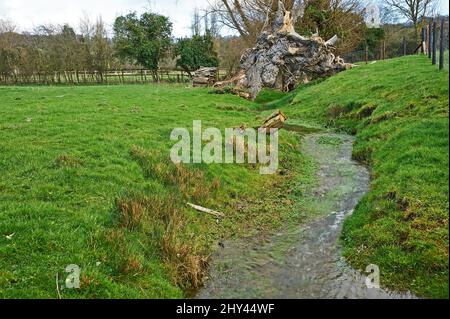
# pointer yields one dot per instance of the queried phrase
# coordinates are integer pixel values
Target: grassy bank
(86, 179)
(398, 109)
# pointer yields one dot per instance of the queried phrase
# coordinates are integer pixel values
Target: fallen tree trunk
(282, 58)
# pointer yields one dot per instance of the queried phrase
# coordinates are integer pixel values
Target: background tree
(230, 50)
(250, 17)
(68, 47)
(100, 49)
(247, 17)
(7, 26)
(53, 48)
(196, 23)
(344, 18)
(196, 52)
(413, 10)
(145, 40)
(11, 44)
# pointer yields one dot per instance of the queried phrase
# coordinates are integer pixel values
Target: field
(86, 179)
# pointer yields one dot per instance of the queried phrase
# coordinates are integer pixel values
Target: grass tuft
(164, 221)
(65, 160)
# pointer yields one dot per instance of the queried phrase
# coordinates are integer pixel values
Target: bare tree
(7, 26)
(196, 23)
(250, 17)
(344, 18)
(100, 49)
(413, 10)
(213, 25)
(86, 26)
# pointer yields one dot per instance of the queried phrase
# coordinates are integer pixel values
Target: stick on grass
(206, 210)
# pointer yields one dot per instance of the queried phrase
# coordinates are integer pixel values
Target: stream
(305, 261)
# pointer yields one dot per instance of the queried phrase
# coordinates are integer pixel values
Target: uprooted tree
(282, 58)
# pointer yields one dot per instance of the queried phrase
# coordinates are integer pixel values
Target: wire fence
(111, 77)
(434, 42)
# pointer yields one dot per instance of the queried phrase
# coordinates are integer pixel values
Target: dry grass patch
(191, 183)
(66, 160)
(164, 220)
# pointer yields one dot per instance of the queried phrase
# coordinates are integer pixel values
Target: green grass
(398, 110)
(86, 179)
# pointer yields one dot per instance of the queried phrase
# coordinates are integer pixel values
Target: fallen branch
(57, 287)
(275, 120)
(206, 210)
(233, 80)
(332, 41)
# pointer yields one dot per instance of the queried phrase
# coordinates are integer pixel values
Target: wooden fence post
(441, 46)
(366, 54)
(424, 42)
(404, 45)
(434, 44)
(429, 40)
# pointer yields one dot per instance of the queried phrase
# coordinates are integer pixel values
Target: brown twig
(57, 286)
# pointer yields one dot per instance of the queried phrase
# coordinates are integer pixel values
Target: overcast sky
(29, 13)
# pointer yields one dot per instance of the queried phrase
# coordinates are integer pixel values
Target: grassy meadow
(86, 179)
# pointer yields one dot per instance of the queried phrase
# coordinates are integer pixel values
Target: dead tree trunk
(282, 58)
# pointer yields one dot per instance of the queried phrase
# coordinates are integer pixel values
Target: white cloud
(3, 9)
(28, 14)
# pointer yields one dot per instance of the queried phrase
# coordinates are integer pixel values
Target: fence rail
(434, 43)
(123, 76)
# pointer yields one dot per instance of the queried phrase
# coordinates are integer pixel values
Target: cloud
(28, 14)
(3, 9)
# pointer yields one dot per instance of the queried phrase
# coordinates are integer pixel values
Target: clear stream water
(305, 261)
